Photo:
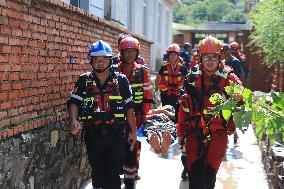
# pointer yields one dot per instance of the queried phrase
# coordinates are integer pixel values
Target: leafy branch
(267, 112)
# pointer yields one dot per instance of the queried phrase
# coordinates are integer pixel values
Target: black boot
(184, 173)
(129, 183)
(196, 174)
(211, 177)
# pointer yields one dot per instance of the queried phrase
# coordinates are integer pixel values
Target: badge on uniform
(90, 83)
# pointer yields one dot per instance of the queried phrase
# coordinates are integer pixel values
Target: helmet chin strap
(101, 70)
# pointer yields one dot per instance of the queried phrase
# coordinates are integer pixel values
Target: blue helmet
(100, 48)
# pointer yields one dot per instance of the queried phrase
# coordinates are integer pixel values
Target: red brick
(3, 3)
(33, 27)
(51, 24)
(16, 103)
(4, 134)
(13, 94)
(35, 100)
(12, 112)
(22, 110)
(5, 86)
(41, 91)
(3, 58)
(33, 92)
(26, 127)
(27, 34)
(32, 108)
(24, 93)
(24, 26)
(3, 114)
(41, 29)
(16, 119)
(14, 22)
(16, 50)
(5, 105)
(16, 130)
(14, 60)
(5, 50)
(3, 95)
(41, 75)
(5, 67)
(15, 6)
(33, 125)
(4, 40)
(17, 32)
(21, 128)
(41, 44)
(5, 122)
(14, 41)
(36, 20)
(28, 75)
(24, 59)
(14, 76)
(10, 132)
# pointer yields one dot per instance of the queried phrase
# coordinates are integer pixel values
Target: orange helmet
(173, 48)
(210, 45)
(234, 45)
(129, 43)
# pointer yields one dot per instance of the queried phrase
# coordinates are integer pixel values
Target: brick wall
(38, 40)
(278, 78)
(259, 75)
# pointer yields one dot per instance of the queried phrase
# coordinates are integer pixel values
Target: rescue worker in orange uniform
(101, 100)
(169, 80)
(205, 136)
(117, 58)
(138, 77)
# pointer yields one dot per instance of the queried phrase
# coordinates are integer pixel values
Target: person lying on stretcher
(160, 129)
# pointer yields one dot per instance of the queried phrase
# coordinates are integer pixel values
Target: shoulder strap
(118, 76)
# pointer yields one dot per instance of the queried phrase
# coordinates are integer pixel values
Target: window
(107, 9)
(144, 17)
(83, 4)
(75, 3)
(96, 7)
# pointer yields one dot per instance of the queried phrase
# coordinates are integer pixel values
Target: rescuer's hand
(75, 127)
(132, 138)
(236, 96)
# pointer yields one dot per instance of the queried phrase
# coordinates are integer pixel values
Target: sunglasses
(210, 58)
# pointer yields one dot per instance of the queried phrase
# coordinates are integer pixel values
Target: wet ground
(241, 169)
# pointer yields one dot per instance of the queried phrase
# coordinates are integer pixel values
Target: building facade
(149, 18)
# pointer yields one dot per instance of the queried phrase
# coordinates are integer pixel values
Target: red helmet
(234, 45)
(129, 43)
(210, 45)
(173, 48)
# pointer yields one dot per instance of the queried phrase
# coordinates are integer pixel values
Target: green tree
(268, 22)
(193, 12)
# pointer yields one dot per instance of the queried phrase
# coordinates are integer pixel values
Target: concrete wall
(158, 27)
(43, 49)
